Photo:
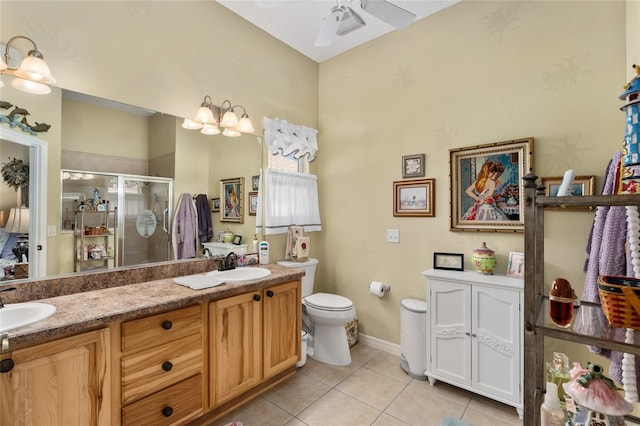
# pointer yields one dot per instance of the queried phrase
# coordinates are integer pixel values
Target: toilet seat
(328, 302)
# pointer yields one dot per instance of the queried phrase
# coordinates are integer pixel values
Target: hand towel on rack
(205, 226)
(184, 229)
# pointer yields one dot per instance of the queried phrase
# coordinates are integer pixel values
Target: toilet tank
(309, 267)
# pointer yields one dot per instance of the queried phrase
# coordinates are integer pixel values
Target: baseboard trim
(383, 345)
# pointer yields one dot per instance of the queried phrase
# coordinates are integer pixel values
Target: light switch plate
(51, 231)
(393, 235)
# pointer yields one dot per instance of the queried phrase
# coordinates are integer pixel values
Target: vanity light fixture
(206, 121)
(33, 75)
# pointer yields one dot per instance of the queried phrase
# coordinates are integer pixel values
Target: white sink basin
(16, 315)
(241, 274)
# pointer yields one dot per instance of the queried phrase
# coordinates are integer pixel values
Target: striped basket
(620, 299)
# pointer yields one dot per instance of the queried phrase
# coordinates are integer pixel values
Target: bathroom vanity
(474, 333)
(152, 353)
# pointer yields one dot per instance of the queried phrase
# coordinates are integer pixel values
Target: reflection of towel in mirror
(183, 231)
(292, 234)
(205, 227)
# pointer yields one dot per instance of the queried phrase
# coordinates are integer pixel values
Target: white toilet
(324, 317)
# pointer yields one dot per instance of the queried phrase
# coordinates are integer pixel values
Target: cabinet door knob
(256, 297)
(6, 365)
(167, 366)
(167, 411)
(473, 335)
(467, 333)
(269, 293)
(166, 324)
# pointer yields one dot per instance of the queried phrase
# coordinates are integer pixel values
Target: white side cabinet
(474, 333)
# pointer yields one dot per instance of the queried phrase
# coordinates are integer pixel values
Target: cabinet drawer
(158, 329)
(148, 371)
(176, 404)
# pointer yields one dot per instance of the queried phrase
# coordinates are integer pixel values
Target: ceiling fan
(343, 19)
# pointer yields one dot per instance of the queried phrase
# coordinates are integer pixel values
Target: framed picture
(255, 183)
(486, 183)
(414, 198)
(581, 185)
(231, 205)
(413, 166)
(219, 237)
(215, 205)
(449, 261)
(253, 203)
(515, 267)
(237, 239)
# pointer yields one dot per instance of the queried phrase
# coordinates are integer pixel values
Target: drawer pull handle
(166, 324)
(269, 293)
(167, 411)
(256, 297)
(167, 366)
(6, 365)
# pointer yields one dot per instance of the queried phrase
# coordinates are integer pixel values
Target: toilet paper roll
(378, 289)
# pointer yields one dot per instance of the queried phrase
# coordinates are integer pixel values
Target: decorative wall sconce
(206, 121)
(33, 75)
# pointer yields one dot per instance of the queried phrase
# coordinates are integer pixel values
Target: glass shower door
(144, 218)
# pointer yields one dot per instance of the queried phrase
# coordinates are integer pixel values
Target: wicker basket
(620, 299)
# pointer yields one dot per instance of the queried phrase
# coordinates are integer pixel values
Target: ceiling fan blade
(390, 13)
(329, 27)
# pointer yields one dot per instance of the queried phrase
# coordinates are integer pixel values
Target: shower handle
(165, 216)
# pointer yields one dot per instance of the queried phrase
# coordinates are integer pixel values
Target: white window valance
(286, 138)
(290, 199)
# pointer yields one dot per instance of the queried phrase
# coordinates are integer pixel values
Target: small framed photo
(413, 166)
(253, 203)
(448, 261)
(255, 183)
(219, 238)
(414, 198)
(515, 267)
(237, 239)
(215, 205)
(581, 185)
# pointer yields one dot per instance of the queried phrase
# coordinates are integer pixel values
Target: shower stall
(144, 211)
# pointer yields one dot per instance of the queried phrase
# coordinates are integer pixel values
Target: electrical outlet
(393, 235)
(51, 231)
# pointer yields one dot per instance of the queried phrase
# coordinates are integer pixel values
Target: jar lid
(484, 250)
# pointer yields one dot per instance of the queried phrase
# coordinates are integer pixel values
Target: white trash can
(413, 337)
(303, 350)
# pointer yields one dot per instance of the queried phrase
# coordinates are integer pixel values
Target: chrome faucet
(229, 262)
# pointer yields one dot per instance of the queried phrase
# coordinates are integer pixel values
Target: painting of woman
(483, 191)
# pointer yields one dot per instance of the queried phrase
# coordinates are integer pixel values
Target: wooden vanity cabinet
(253, 337)
(64, 382)
(161, 368)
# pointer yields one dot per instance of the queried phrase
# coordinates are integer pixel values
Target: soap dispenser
(551, 414)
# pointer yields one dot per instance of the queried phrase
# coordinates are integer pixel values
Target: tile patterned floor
(373, 390)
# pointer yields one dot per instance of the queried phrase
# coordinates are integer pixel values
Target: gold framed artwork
(486, 183)
(253, 203)
(413, 166)
(414, 198)
(581, 185)
(231, 196)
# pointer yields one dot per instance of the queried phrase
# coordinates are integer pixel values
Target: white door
(496, 342)
(450, 329)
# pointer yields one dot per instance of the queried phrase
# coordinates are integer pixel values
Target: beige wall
(475, 73)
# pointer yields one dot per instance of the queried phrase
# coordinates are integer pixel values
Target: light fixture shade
(191, 125)
(30, 86)
(209, 129)
(244, 125)
(18, 222)
(35, 69)
(205, 116)
(229, 119)
(231, 133)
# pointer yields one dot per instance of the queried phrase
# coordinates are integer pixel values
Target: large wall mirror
(137, 162)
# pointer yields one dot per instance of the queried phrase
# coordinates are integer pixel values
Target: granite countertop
(90, 310)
